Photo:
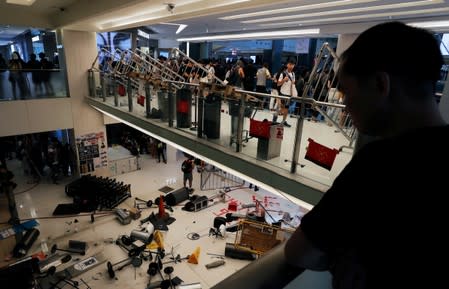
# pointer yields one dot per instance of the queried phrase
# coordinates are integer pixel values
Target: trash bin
(234, 108)
(183, 108)
(269, 136)
(162, 100)
(212, 116)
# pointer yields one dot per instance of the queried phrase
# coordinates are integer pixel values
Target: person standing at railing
(3, 68)
(16, 76)
(262, 75)
(389, 198)
(35, 65)
(286, 84)
(46, 67)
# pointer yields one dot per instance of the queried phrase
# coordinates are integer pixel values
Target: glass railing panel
(217, 117)
(268, 136)
(32, 84)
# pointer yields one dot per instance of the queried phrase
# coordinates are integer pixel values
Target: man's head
(290, 65)
(387, 67)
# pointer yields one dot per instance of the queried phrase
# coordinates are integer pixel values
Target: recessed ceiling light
(254, 35)
(21, 2)
(430, 24)
(345, 11)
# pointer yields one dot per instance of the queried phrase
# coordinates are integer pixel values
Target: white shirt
(262, 75)
(287, 87)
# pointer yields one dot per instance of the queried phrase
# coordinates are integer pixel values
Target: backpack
(186, 166)
(234, 76)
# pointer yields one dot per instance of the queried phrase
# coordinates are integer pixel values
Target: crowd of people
(40, 156)
(40, 70)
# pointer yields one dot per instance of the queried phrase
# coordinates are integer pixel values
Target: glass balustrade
(241, 122)
(32, 84)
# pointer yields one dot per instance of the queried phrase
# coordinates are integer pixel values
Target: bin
(268, 148)
(162, 100)
(183, 108)
(212, 116)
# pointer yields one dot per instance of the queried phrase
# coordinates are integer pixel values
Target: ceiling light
(152, 13)
(430, 24)
(21, 2)
(255, 35)
(181, 27)
(346, 11)
(297, 8)
(357, 17)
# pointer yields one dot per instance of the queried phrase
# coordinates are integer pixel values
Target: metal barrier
(213, 178)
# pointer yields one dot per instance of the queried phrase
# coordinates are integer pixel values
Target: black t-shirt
(382, 222)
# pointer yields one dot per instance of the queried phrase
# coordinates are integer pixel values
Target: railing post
(147, 100)
(130, 95)
(239, 143)
(91, 82)
(199, 118)
(170, 105)
(104, 87)
(114, 89)
(298, 136)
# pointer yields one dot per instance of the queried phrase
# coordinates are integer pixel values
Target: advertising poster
(92, 152)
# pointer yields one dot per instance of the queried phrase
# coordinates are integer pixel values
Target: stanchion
(147, 100)
(130, 95)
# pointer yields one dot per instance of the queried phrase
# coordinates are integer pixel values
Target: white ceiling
(210, 17)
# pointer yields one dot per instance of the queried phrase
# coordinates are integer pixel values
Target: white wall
(38, 115)
(344, 41)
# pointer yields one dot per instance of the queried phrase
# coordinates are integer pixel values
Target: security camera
(170, 7)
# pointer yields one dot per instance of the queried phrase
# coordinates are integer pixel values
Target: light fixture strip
(259, 35)
(297, 9)
(343, 11)
(356, 17)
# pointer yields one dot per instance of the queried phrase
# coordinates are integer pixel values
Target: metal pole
(239, 143)
(298, 136)
(200, 104)
(91, 82)
(147, 100)
(170, 105)
(130, 95)
(114, 89)
(104, 87)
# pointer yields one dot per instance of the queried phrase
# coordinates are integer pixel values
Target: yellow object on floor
(195, 256)
(158, 241)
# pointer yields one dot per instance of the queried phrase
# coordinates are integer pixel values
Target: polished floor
(39, 201)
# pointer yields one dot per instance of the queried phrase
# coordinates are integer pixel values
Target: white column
(80, 50)
(344, 41)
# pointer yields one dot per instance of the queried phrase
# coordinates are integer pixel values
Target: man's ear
(383, 83)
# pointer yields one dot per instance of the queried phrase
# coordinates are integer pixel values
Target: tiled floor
(41, 200)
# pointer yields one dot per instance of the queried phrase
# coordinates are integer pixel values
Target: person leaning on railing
(381, 224)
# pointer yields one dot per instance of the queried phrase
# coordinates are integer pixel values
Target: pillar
(80, 49)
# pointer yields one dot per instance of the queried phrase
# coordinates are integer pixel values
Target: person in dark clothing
(348, 232)
(381, 224)
(161, 151)
(250, 76)
(46, 66)
(35, 65)
(16, 66)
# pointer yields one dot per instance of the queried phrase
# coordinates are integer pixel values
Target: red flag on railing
(141, 100)
(320, 155)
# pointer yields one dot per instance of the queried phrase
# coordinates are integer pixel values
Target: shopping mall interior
(130, 157)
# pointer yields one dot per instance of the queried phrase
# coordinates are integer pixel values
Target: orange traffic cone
(195, 256)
